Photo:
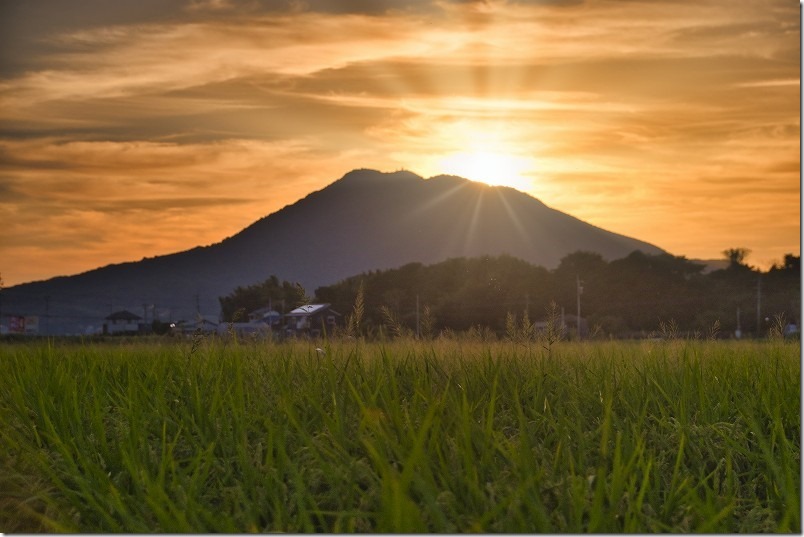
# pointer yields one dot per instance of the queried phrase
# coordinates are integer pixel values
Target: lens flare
(492, 168)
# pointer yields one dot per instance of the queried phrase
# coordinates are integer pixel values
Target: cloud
(637, 122)
(118, 201)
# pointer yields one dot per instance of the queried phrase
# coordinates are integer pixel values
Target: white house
(311, 319)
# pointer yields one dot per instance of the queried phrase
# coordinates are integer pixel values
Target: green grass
(450, 436)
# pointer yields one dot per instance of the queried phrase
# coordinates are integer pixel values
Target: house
(21, 325)
(249, 329)
(205, 324)
(311, 320)
(262, 323)
(266, 315)
(122, 322)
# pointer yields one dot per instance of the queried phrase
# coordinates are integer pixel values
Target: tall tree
(253, 297)
(736, 256)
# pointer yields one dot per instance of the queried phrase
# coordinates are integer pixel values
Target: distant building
(792, 330)
(122, 322)
(311, 320)
(205, 324)
(262, 323)
(266, 315)
(23, 325)
(249, 329)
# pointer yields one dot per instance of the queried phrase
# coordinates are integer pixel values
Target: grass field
(445, 436)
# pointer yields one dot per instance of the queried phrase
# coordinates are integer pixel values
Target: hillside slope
(366, 220)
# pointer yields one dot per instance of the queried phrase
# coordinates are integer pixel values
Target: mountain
(366, 220)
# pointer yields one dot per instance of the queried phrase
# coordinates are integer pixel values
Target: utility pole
(579, 290)
(47, 314)
(418, 334)
(270, 316)
(759, 305)
(738, 333)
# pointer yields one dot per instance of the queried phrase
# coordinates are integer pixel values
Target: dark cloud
(164, 204)
(282, 116)
(28, 28)
(12, 160)
(792, 166)
(10, 194)
(371, 7)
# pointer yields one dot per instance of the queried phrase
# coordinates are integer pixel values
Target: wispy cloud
(660, 120)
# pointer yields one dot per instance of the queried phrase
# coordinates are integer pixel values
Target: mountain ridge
(366, 220)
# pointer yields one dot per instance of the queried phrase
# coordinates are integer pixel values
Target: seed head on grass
(776, 330)
(427, 323)
(198, 338)
(668, 330)
(527, 327)
(714, 330)
(353, 323)
(393, 323)
(511, 332)
(554, 331)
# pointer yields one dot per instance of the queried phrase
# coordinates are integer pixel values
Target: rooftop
(307, 309)
(123, 315)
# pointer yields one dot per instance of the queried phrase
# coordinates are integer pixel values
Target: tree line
(626, 297)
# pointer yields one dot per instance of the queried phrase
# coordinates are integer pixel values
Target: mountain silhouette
(366, 220)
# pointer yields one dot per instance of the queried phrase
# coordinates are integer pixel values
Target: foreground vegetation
(444, 436)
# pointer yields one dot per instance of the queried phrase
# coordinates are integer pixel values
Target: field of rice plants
(404, 436)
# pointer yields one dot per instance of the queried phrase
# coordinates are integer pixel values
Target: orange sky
(144, 127)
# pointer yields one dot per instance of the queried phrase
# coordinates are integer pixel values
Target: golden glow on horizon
(481, 141)
(492, 168)
(677, 127)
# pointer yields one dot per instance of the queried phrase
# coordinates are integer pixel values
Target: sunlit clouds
(142, 128)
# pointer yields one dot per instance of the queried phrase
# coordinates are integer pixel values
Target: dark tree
(271, 291)
(736, 256)
(624, 297)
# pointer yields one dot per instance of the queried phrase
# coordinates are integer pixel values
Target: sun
(492, 168)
